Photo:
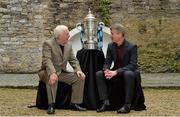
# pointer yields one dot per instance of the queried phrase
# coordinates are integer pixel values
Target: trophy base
(90, 45)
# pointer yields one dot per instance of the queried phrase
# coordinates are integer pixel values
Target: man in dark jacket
(124, 56)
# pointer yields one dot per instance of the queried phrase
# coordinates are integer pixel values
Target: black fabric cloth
(63, 96)
(90, 61)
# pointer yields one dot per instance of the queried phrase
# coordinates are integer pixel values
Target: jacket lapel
(114, 51)
(56, 45)
(125, 50)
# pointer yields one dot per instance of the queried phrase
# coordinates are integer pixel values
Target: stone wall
(26, 24)
(153, 24)
(21, 35)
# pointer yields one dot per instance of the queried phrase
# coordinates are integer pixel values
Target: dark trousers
(128, 80)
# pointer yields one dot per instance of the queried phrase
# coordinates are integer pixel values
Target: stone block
(3, 10)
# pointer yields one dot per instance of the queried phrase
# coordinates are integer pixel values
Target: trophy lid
(90, 16)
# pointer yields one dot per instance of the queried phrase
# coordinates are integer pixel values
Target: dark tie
(62, 48)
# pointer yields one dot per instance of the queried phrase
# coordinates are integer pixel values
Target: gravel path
(159, 102)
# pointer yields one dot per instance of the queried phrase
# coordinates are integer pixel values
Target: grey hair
(59, 29)
(119, 27)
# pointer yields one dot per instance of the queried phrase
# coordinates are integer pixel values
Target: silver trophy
(89, 31)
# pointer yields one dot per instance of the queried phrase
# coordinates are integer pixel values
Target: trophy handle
(79, 26)
(101, 23)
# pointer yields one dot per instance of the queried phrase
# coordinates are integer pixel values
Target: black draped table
(90, 61)
(62, 98)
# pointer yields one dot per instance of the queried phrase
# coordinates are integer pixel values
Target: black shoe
(103, 108)
(51, 109)
(77, 107)
(125, 109)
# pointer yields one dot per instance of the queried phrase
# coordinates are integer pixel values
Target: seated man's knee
(129, 74)
(80, 80)
(99, 74)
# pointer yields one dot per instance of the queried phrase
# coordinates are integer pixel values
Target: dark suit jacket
(129, 57)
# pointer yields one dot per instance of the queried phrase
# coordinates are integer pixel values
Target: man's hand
(106, 73)
(81, 75)
(53, 78)
(109, 74)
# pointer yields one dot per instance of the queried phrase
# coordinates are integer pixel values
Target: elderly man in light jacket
(55, 55)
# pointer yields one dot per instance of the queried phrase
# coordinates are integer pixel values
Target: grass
(159, 102)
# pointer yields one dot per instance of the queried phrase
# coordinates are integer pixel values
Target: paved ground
(158, 80)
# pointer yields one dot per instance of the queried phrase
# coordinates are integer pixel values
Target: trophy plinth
(90, 44)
